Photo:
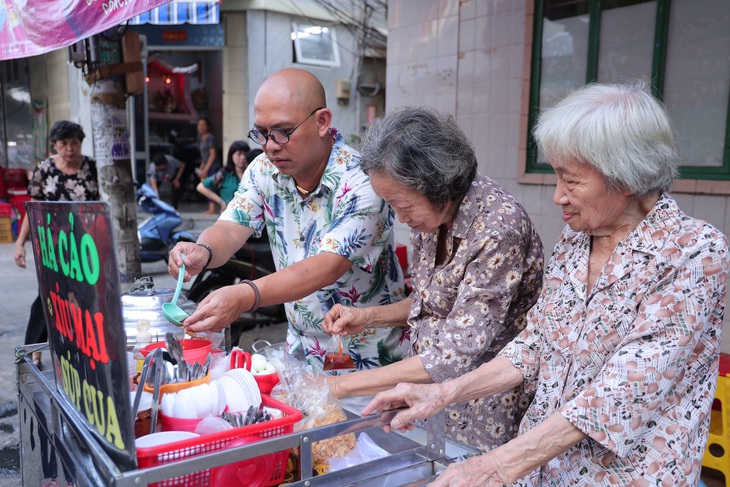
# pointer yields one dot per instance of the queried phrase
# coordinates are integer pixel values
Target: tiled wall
(468, 58)
(235, 83)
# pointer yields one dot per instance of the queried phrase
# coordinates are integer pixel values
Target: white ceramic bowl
(185, 406)
(162, 438)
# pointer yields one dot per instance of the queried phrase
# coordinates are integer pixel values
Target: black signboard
(78, 278)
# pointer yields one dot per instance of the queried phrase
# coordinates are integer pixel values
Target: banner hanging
(32, 27)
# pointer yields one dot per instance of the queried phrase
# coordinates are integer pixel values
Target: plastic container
(179, 386)
(194, 349)
(170, 423)
(266, 382)
(172, 452)
(15, 178)
(144, 414)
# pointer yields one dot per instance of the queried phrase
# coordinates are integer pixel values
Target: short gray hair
(620, 130)
(423, 150)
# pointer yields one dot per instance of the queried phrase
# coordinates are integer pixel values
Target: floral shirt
(465, 310)
(342, 215)
(632, 362)
(48, 183)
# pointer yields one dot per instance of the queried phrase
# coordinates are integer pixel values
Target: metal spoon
(197, 371)
(174, 346)
(181, 372)
(206, 367)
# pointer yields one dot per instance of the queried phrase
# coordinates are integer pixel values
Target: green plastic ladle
(171, 310)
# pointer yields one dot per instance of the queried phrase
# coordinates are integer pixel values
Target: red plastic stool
(401, 251)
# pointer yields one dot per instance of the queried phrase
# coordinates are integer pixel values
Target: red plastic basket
(186, 449)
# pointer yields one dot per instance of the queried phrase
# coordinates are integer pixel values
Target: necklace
(302, 190)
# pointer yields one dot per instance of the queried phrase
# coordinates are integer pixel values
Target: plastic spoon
(171, 310)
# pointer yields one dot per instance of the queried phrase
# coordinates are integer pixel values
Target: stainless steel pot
(147, 305)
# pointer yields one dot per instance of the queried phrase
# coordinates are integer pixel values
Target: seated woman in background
(622, 348)
(221, 186)
(477, 270)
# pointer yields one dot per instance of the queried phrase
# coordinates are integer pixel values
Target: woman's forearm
(23, 232)
(395, 314)
(535, 448)
(210, 194)
(497, 375)
(369, 382)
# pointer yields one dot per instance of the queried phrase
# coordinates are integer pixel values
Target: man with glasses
(330, 234)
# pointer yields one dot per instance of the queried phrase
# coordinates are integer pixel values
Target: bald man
(330, 234)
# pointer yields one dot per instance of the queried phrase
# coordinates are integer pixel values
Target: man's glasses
(280, 136)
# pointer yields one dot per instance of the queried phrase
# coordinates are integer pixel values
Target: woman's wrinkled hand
(420, 400)
(344, 320)
(480, 471)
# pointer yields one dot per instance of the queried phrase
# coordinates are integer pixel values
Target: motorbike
(157, 233)
(252, 261)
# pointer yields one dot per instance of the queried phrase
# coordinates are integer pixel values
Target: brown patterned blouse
(467, 309)
(632, 362)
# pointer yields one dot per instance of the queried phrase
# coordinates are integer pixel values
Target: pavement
(18, 290)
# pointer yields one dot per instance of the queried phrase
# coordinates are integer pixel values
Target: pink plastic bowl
(194, 349)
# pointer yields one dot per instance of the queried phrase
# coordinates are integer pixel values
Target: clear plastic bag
(306, 389)
(337, 358)
(366, 450)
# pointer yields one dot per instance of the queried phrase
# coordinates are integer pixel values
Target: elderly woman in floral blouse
(622, 348)
(477, 269)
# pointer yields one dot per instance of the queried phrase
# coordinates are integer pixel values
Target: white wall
(270, 50)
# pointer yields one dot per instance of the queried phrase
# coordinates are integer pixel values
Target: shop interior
(181, 88)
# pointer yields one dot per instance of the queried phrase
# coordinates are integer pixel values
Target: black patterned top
(49, 183)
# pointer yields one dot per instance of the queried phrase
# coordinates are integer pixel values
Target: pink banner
(31, 27)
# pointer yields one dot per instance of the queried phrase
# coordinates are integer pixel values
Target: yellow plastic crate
(717, 452)
(6, 230)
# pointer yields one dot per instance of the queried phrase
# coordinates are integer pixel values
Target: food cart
(46, 416)
(77, 421)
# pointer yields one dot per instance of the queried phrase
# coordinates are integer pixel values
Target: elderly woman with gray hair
(477, 270)
(622, 347)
